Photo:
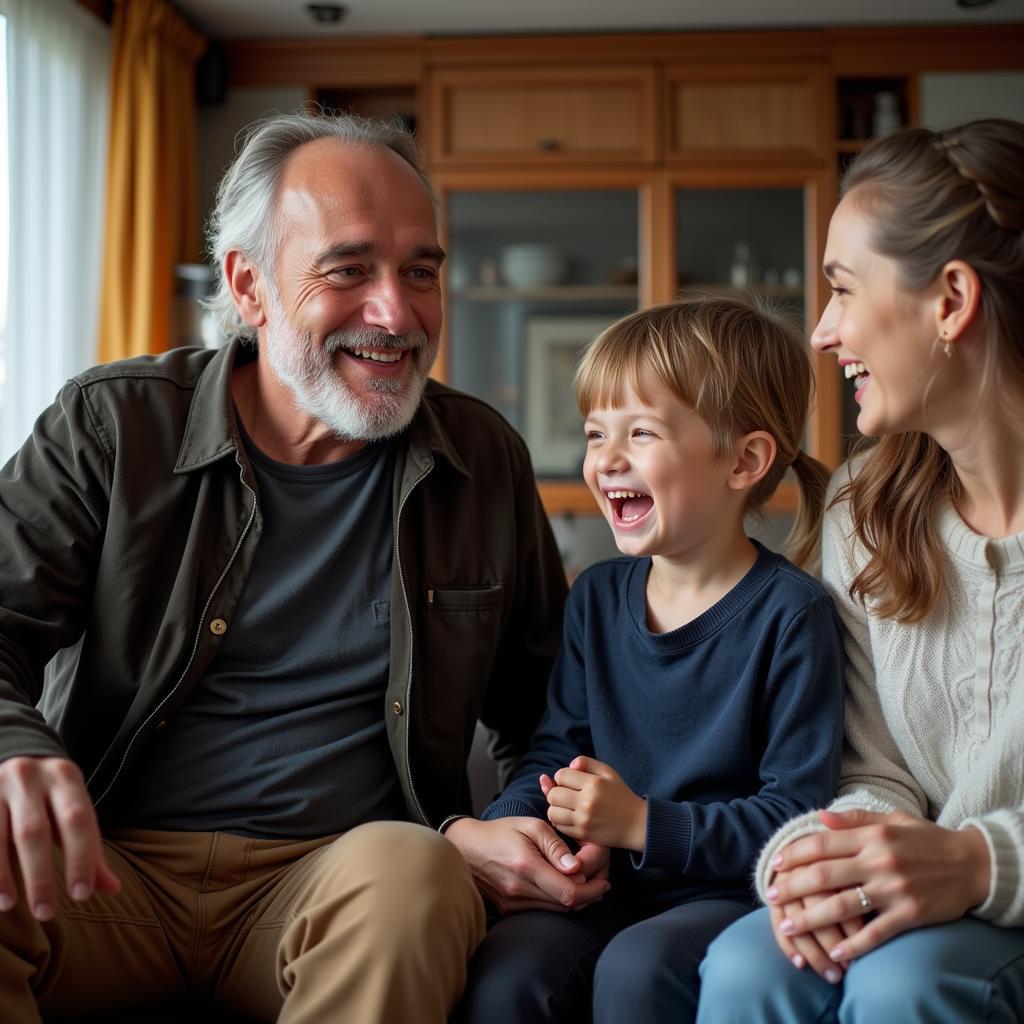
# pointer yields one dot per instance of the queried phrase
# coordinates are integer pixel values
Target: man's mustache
(352, 338)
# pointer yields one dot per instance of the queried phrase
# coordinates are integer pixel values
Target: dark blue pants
(615, 961)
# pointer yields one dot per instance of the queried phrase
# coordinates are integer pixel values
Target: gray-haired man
(279, 584)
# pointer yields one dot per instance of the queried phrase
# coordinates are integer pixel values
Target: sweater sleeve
(800, 717)
(874, 776)
(564, 731)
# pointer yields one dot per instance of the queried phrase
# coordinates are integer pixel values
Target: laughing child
(696, 704)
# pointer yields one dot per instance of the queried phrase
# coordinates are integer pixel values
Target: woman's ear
(959, 299)
(754, 455)
(242, 278)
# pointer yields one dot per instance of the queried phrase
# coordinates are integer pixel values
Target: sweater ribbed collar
(1003, 553)
(700, 628)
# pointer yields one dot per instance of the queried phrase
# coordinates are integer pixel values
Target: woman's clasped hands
(839, 894)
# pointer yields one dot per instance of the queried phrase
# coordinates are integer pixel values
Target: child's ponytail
(813, 477)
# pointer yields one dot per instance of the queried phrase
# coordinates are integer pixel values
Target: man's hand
(589, 802)
(522, 864)
(43, 801)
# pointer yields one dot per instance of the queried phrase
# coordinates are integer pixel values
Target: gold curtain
(151, 177)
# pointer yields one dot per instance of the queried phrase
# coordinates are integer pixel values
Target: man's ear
(959, 299)
(242, 278)
(754, 455)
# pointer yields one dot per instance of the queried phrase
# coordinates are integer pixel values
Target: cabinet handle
(548, 145)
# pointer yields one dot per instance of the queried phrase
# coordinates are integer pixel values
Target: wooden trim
(562, 497)
(887, 51)
(325, 63)
(613, 49)
(393, 60)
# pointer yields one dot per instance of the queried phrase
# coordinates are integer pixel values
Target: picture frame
(552, 425)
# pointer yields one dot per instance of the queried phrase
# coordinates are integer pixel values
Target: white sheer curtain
(58, 85)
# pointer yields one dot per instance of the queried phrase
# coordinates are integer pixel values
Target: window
(4, 202)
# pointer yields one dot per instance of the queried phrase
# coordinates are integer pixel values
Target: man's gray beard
(319, 390)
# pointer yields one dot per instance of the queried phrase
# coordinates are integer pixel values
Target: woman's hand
(811, 949)
(910, 871)
(588, 801)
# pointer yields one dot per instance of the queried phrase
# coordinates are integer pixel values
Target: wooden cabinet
(702, 138)
(725, 113)
(552, 117)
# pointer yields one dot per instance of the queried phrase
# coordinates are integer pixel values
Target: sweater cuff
(510, 809)
(1004, 834)
(804, 825)
(668, 838)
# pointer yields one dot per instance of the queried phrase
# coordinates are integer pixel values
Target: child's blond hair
(739, 367)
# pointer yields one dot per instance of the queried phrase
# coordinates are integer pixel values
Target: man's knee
(404, 874)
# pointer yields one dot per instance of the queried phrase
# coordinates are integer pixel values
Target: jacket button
(161, 723)
(397, 707)
(218, 627)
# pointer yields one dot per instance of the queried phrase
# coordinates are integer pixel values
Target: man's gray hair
(244, 215)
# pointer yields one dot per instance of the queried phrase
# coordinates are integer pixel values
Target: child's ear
(754, 455)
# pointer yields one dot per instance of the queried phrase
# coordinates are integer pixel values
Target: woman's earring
(947, 346)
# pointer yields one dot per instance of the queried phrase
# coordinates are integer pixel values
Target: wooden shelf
(775, 291)
(851, 145)
(550, 293)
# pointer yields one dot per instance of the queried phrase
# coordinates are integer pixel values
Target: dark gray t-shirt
(284, 737)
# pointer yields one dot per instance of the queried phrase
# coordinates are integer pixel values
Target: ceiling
(226, 19)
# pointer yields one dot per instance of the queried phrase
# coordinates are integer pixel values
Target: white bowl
(532, 265)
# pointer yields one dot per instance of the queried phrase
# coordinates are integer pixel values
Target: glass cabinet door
(533, 276)
(749, 242)
(743, 241)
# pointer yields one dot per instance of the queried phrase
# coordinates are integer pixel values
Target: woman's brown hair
(931, 197)
(740, 368)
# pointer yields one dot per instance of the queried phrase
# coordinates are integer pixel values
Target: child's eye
(641, 432)
(837, 290)
(593, 435)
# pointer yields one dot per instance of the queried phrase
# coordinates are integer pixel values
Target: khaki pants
(376, 925)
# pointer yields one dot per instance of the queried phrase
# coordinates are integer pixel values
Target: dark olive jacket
(128, 525)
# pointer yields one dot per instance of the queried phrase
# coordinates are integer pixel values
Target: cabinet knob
(548, 145)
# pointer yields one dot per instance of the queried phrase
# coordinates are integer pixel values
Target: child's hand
(589, 802)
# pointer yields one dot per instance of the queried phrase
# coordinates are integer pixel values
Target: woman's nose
(824, 335)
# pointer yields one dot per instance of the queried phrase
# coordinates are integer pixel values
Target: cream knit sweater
(935, 711)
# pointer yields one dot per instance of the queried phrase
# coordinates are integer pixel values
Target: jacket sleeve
(514, 700)
(874, 776)
(800, 716)
(53, 510)
(564, 732)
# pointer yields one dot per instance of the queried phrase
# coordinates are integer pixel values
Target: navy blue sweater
(729, 726)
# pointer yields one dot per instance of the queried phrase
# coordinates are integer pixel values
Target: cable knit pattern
(935, 710)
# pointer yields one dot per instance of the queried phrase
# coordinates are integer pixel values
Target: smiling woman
(904, 900)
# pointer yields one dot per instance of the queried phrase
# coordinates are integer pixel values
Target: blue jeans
(956, 973)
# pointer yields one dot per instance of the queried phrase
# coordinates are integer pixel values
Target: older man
(276, 586)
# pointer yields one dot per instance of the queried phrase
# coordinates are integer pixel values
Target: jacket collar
(210, 432)
(428, 435)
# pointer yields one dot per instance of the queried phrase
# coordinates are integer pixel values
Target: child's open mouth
(629, 507)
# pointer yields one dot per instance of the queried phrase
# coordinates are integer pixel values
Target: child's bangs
(617, 361)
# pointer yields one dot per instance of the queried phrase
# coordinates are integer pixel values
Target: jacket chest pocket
(461, 630)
